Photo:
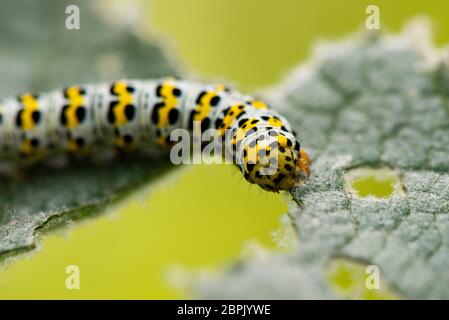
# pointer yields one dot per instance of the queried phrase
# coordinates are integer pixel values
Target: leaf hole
(353, 280)
(373, 182)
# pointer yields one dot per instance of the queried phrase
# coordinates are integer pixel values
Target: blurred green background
(200, 216)
(255, 42)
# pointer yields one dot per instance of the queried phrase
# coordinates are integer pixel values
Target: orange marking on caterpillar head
(304, 163)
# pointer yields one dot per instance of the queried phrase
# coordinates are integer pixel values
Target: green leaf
(374, 105)
(38, 53)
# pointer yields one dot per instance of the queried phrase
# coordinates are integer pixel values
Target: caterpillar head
(273, 160)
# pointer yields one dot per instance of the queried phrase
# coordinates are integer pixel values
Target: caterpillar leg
(304, 163)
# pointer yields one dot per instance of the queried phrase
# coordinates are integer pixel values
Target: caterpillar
(132, 114)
